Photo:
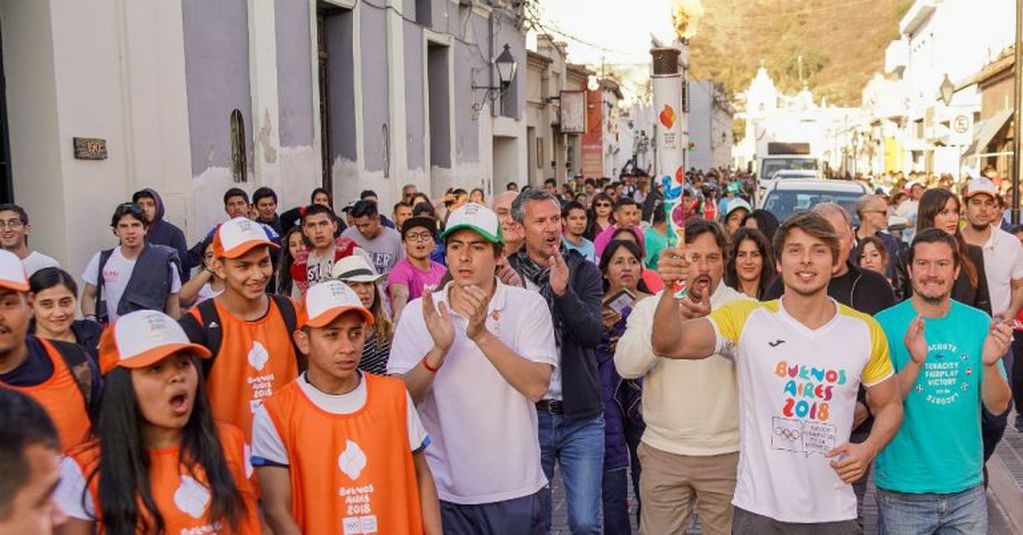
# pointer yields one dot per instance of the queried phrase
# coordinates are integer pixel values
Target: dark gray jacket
(148, 286)
(579, 313)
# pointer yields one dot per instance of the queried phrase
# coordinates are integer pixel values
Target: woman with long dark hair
(940, 208)
(600, 216)
(622, 268)
(650, 277)
(157, 464)
(295, 243)
(762, 220)
(750, 267)
(362, 277)
(53, 298)
(872, 254)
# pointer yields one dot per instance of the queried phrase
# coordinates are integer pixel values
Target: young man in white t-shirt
(476, 362)
(14, 231)
(1003, 254)
(1003, 269)
(151, 290)
(799, 363)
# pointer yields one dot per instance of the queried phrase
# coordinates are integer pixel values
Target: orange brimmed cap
(326, 301)
(238, 236)
(12, 272)
(143, 338)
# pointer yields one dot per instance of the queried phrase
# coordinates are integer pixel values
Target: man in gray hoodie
(163, 232)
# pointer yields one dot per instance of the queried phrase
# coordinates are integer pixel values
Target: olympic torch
(670, 165)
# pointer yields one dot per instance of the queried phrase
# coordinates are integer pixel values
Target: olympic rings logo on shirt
(786, 433)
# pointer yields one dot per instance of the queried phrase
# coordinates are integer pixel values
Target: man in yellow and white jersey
(799, 362)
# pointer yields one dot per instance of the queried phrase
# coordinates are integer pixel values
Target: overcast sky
(623, 26)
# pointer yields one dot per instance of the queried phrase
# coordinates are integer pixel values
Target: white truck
(784, 156)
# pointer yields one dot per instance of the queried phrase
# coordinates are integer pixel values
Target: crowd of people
(428, 368)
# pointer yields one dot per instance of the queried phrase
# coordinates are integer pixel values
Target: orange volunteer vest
(350, 473)
(62, 399)
(256, 359)
(181, 496)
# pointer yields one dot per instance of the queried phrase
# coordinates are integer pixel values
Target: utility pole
(1017, 129)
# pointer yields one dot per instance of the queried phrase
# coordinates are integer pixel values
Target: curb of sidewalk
(1006, 493)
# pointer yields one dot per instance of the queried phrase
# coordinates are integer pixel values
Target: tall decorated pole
(671, 142)
(668, 82)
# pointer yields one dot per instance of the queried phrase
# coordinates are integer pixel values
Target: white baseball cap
(980, 185)
(737, 204)
(355, 268)
(476, 217)
(237, 236)
(142, 338)
(12, 272)
(326, 301)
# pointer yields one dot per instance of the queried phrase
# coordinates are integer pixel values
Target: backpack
(101, 303)
(77, 362)
(209, 326)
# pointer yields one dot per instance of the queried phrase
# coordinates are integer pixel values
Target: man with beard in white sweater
(689, 450)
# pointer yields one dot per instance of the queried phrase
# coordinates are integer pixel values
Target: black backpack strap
(77, 361)
(287, 308)
(101, 309)
(210, 326)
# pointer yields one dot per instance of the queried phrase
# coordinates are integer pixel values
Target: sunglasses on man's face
(603, 205)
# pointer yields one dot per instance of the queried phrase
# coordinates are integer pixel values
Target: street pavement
(1005, 493)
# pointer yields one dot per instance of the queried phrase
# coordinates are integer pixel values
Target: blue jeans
(577, 446)
(941, 514)
(616, 502)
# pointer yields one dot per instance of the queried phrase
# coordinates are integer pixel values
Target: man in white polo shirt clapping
(476, 355)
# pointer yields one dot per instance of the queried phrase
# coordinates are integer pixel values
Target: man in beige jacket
(689, 450)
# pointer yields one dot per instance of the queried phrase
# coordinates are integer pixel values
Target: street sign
(960, 129)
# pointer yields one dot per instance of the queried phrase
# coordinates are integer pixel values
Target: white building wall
(467, 171)
(127, 86)
(953, 38)
(35, 135)
(116, 70)
(722, 137)
(701, 104)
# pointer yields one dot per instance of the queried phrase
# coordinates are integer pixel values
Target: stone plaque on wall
(90, 148)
